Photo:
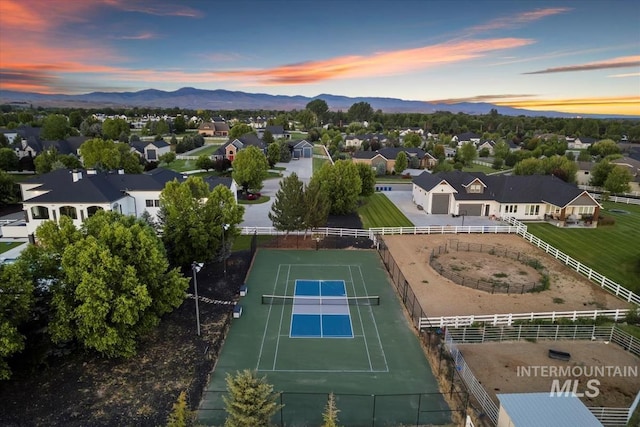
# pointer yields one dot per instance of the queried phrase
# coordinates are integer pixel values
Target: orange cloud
(622, 105)
(622, 62)
(378, 64)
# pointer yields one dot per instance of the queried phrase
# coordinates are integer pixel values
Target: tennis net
(316, 300)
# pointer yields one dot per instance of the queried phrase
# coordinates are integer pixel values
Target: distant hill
(191, 98)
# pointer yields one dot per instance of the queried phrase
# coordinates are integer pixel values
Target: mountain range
(201, 99)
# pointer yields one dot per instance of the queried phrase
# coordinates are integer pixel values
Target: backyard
(612, 250)
(379, 211)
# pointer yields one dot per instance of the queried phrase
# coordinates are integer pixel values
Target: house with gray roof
(80, 194)
(387, 156)
(300, 148)
(150, 151)
(231, 147)
(524, 197)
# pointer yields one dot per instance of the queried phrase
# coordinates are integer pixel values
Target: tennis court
(316, 322)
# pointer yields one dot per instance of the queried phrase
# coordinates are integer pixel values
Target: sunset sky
(573, 56)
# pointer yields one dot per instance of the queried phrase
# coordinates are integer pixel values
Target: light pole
(196, 267)
(225, 227)
(463, 213)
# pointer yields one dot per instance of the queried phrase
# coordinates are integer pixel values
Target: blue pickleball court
(320, 310)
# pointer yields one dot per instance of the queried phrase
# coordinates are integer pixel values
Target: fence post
(373, 415)
(419, 405)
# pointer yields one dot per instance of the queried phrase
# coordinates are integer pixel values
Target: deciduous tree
(250, 168)
(204, 162)
(319, 108)
(412, 140)
(401, 162)
(116, 281)
(240, 129)
(367, 178)
(8, 159)
(108, 155)
(115, 128)
(341, 182)
(468, 153)
(55, 127)
(618, 180)
(16, 299)
(273, 153)
(191, 217)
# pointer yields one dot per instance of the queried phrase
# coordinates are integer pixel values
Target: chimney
(76, 175)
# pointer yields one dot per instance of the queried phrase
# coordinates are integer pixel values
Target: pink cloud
(174, 9)
(377, 64)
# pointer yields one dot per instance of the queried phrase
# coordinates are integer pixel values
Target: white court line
(366, 293)
(286, 286)
(266, 324)
(366, 346)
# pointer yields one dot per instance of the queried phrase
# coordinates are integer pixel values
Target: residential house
(388, 156)
(357, 140)
(80, 194)
(524, 197)
(463, 138)
(580, 143)
(488, 144)
(231, 148)
(258, 122)
(413, 129)
(300, 148)
(214, 128)
(277, 132)
(583, 175)
(150, 151)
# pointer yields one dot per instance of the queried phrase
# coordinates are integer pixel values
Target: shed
(544, 410)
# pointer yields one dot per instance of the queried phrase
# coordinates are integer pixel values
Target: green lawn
(5, 246)
(182, 165)
(206, 150)
(317, 163)
(479, 168)
(612, 250)
(378, 211)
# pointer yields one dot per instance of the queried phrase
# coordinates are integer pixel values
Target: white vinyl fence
(509, 318)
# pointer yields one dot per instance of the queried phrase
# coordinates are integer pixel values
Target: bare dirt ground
(84, 389)
(439, 296)
(496, 364)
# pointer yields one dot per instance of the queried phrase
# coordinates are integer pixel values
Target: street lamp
(225, 227)
(196, 267)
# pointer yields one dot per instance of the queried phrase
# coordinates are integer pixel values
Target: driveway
(404, 201)
(257, 215)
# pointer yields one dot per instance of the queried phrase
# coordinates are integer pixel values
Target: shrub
(606, 220)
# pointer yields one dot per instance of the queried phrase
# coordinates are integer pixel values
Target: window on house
(151, 155)
(69, 211)
(149, 203)
(511, 209)
(92, 210)
(532, 209)
(475, 188)
(39, 212)
(586, 210)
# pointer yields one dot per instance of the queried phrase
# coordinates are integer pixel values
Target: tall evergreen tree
(251, 401)
(288, 210)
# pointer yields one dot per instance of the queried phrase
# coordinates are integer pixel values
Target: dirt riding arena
(439, 296)
(498, 366)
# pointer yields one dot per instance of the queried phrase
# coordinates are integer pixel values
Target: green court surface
(378, 373)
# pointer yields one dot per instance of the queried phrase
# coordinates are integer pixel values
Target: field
(379, 211)
(612, 250)
(367, 355)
